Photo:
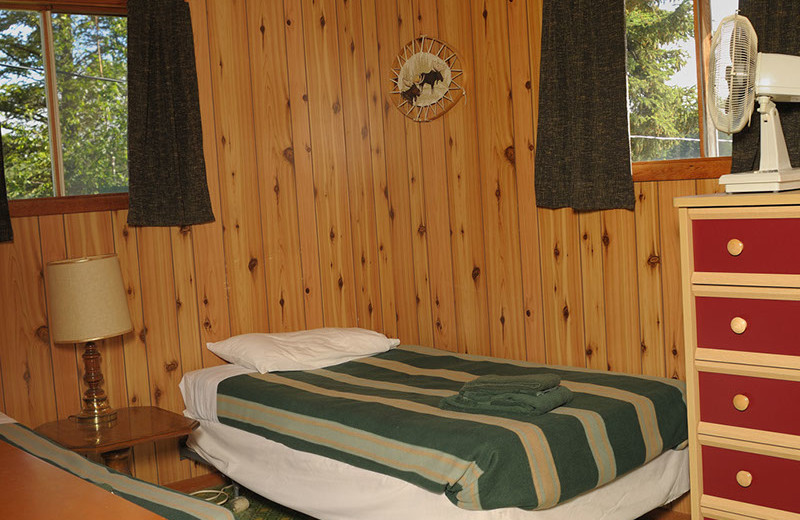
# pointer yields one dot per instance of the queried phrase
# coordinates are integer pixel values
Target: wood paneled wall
(335, 210)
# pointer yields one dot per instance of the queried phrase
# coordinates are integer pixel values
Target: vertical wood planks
(416, 189)
(709, 186)
(2, 393)
(24, 345)
(330, 164)
(671, 275)
(359, 166)
(303, 164)
(594, 304)
(524, 153)
(535, 45)
(209, 251)
(161, 336)
(188, 318)
(464, 191)
(621, 291)
(275, 158)
(648, 260)
(240, 206)
(383, 221)
(137, 377)
(435, 182)
(561, 287)
(496, 150)
(397, 205)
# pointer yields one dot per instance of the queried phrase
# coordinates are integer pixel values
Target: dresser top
(719, 200)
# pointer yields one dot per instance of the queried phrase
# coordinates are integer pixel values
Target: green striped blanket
(170, 504)
(381, 413)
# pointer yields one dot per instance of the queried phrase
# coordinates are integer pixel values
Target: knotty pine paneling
(523, 161)
(209, 251)
(334, 209)
(594, 303)
(361, 188)
(437, 224)
(273, 138)
(464, 190)
(395, 211)
(28, 389)
(498, 177)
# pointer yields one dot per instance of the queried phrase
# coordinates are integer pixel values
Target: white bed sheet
(4, 419)
(331, 490)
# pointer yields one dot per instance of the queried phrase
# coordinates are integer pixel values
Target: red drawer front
(771, 245)
(773, 326)
(767, 409)
(774, 483)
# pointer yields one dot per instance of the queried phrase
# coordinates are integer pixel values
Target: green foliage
(91, 70)
(657, 108)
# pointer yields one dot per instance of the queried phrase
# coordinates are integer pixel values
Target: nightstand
(135, 425)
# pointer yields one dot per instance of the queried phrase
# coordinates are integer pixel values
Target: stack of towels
(509, 396)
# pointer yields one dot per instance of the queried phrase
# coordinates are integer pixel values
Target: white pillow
(301, 350)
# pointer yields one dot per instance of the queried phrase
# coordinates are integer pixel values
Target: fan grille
(732, 70)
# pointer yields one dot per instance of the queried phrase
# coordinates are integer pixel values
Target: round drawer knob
(741, 402)
(735, 247)
(738, 325)
(744, 478)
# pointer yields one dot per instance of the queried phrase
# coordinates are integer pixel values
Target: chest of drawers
(741, 299)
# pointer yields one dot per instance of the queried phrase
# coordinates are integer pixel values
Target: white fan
(738, 76)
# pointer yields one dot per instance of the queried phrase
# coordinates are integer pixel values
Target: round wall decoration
(424, 85)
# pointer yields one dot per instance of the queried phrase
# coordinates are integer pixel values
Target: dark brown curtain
(6, 234)
(165, 142)
(777, 24)
(582, 148)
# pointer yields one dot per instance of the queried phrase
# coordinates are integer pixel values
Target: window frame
(61, 203)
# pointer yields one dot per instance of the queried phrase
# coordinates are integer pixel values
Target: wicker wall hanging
(424, 85)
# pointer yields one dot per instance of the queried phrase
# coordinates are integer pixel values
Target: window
(667, 118)
(63, 103)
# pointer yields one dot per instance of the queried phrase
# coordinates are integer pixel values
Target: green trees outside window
(663, 104)
(88, 146)
(664, 118)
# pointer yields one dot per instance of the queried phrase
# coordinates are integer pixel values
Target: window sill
(681, 169)
(73, 204)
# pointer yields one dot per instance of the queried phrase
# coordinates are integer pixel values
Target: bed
(45, 460)
(288, 435)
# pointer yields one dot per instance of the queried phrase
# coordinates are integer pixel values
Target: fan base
(749, 182)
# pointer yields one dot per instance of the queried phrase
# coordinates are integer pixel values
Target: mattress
(330, 490)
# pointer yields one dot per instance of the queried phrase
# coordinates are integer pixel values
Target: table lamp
(88, 303)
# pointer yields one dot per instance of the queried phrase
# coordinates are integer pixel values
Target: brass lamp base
(99, 417)
(96, 410)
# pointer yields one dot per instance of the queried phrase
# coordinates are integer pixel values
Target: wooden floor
(209, 480)
(663, 514)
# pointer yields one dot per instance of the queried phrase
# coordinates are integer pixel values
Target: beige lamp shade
(87, 299)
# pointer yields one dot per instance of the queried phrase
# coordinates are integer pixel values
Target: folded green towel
(506, 384)
(509, 396)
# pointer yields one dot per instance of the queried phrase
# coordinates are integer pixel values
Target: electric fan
(738, 76)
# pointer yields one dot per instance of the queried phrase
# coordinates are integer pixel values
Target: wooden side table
(134, 425)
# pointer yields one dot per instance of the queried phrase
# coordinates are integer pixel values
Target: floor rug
(260, 508)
